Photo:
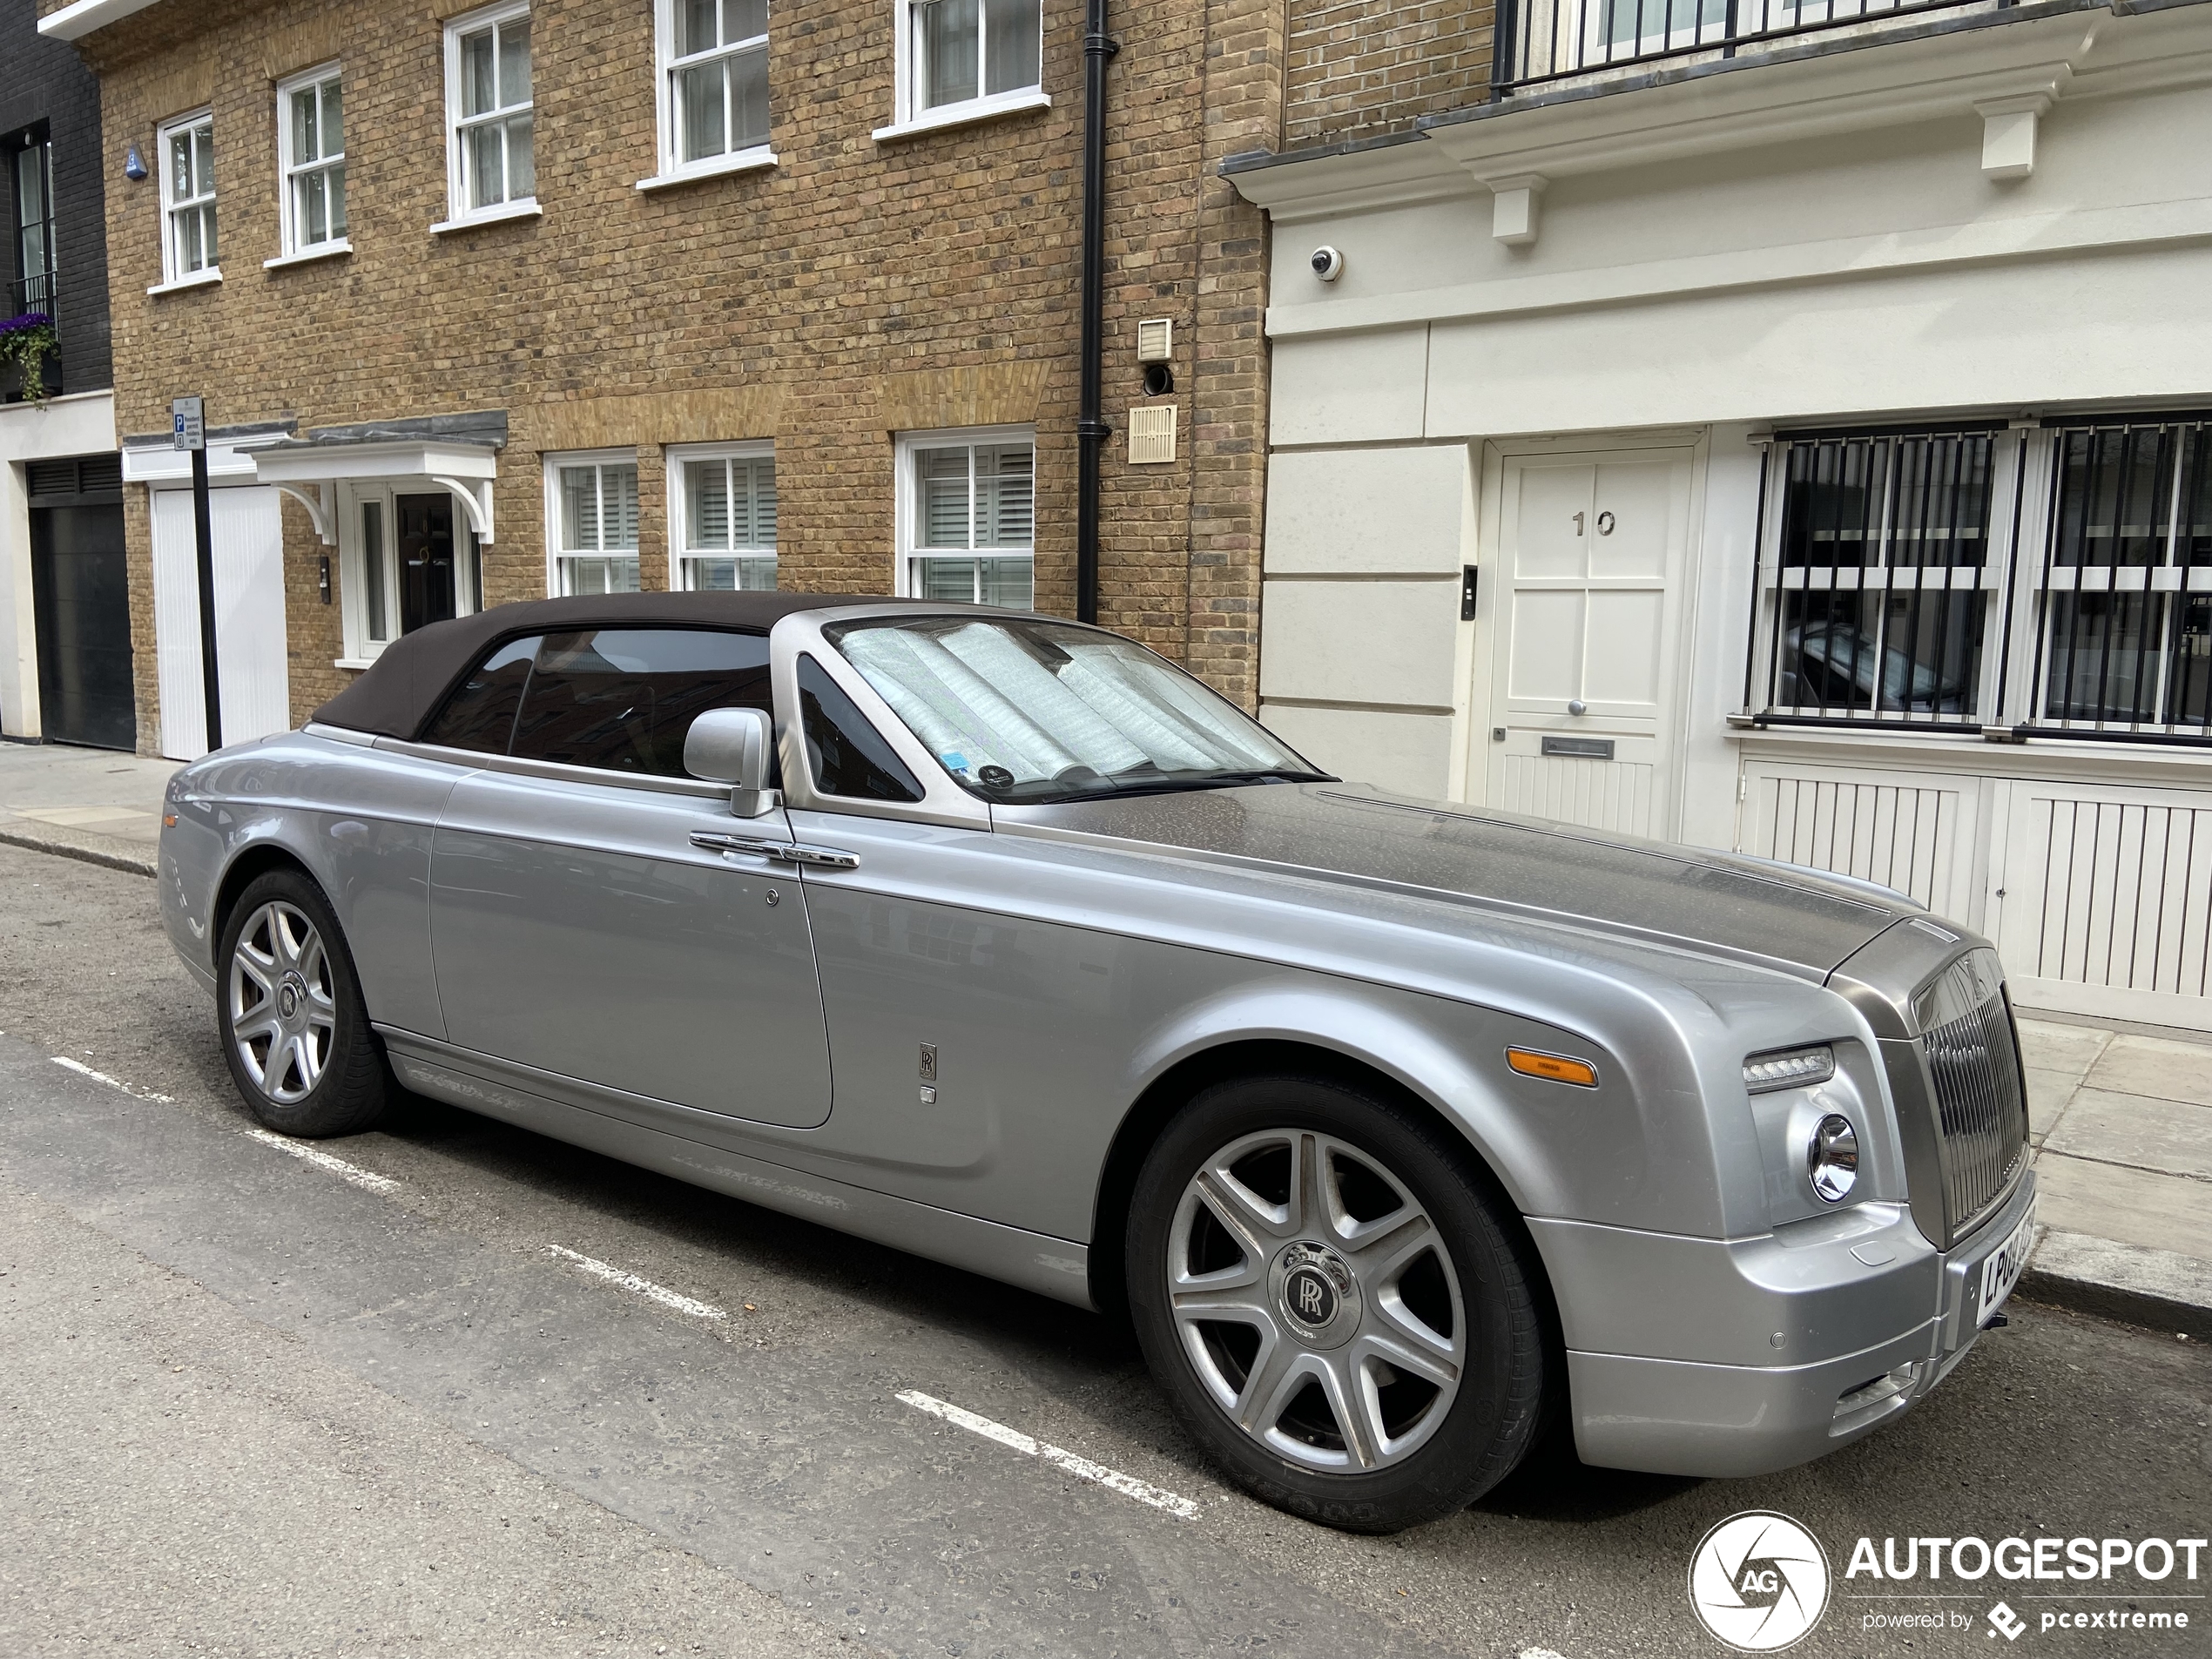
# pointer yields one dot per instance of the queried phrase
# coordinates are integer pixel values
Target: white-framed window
(491, 165)
(406, 558)
(592, 506)
(188, 248)
(311, 157)
(713, 94)
(963, 60)
(2051, 579)
(722, 509)
(967, 518)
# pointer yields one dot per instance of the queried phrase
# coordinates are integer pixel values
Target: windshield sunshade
(1023, 711)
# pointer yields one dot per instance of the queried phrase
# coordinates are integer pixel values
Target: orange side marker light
(1552, 1067)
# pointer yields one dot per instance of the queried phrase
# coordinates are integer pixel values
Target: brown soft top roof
(397, 696)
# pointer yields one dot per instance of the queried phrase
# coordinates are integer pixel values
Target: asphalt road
(250, 1405)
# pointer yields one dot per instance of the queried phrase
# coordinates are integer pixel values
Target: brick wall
(1362, 67)
(856, 289)
(46, 83)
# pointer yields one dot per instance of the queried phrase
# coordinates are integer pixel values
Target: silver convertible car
(1398, 1130)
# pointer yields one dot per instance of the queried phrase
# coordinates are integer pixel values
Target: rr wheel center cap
(1316, 1294)
(291, 998)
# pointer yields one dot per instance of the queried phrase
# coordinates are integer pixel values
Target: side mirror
(734, 746)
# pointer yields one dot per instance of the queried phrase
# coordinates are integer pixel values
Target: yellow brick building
(491, 301)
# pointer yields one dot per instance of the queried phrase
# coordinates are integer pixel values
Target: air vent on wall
(1152, 434)
(49, 477)
(73, 478)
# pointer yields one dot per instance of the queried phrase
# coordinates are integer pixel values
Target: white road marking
(83, 1070)
(1538, 1653)
(1081, 1467)
(367, 1179)
(644, 1287)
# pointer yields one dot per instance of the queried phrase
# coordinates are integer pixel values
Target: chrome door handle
(828, 857)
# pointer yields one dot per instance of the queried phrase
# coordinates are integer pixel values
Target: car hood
(1747, 909)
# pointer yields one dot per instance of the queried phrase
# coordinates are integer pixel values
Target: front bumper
(1860, 1342)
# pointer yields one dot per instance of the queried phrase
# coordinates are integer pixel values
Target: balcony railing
(34, 293)
(1543, 41)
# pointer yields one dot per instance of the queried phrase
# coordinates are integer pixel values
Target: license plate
(2000, 1269)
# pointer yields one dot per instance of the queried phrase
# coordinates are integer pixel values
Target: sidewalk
(2123, 1128)
(2121, 1124)
(98, 805)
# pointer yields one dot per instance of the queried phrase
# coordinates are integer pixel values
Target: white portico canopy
(459, 454)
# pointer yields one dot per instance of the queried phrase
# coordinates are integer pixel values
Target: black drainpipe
(1091, 430)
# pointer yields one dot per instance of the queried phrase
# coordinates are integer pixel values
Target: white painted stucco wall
(77, 425)
(1816, 239)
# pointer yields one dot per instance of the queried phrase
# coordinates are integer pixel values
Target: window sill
(506, 212)
(208, 278)
(359, 664)
(961, 115)
(309, 256)
(1972, 753)
(754, 160)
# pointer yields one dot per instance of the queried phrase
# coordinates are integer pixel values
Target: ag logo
(1758, 1582)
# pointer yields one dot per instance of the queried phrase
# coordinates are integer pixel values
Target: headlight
(1789, 1068)
(1831, 1161)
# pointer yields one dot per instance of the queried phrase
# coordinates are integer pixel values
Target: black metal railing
(1541, 40)
(38, 292)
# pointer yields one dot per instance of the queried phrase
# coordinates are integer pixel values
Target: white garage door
(248, 540)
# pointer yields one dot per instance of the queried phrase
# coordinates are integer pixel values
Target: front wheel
(1324, 1286)
(293, 1027)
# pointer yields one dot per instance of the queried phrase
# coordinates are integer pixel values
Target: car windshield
(1025, 711)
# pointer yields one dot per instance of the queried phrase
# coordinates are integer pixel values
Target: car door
(589, 917)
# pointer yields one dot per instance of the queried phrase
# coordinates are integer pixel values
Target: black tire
(1480, 1430)
(350, 1085)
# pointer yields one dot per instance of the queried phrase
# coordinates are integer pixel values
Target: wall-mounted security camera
(1328, 264)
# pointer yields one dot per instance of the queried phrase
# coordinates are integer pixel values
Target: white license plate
(2001, 1269)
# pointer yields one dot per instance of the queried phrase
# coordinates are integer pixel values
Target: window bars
(1877, 595)
(2049, 582)
(1541, 40)
(2123, 644)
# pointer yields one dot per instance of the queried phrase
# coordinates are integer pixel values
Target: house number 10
(1604, 523)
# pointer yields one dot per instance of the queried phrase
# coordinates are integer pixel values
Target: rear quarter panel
(359, 820)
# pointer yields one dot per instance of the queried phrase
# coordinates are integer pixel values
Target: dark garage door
(81, 599)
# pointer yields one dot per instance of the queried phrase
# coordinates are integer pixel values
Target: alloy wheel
(283, 1003)
(1317, 1301)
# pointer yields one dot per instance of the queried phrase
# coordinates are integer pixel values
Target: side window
(622, 699)
(480, 715)
(848, 755)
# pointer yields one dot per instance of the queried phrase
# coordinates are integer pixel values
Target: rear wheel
(294, 1029)
(1323, 1285)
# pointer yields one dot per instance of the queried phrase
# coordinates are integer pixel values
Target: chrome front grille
(1980, 1098)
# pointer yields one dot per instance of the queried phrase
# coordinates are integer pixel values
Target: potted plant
(28, 355)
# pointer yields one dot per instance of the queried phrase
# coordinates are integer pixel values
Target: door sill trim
(1055, 1267)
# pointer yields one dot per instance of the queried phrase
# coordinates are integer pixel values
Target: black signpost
(189, 424)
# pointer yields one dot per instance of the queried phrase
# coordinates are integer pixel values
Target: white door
(1582, 650)
(248, 543)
